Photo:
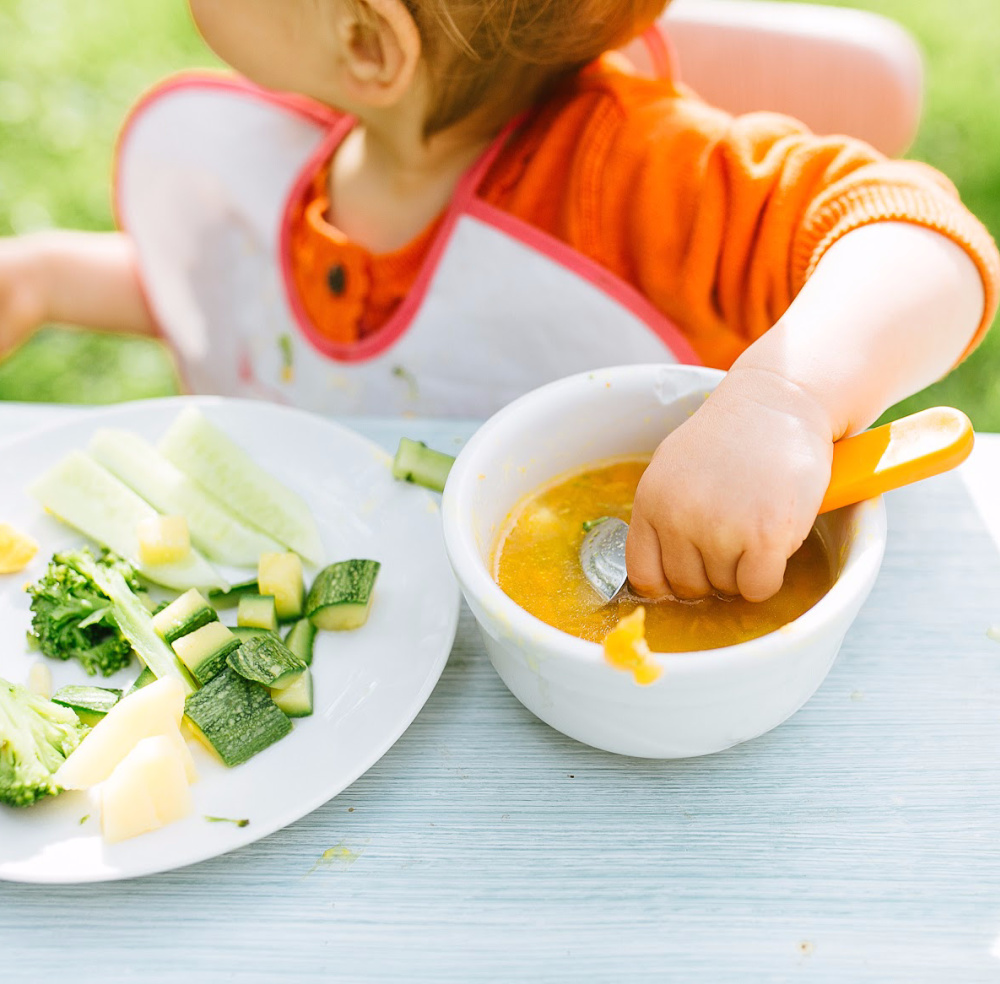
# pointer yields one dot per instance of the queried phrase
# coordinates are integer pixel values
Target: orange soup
(537, 564)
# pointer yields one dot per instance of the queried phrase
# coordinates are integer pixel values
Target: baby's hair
(492, 58)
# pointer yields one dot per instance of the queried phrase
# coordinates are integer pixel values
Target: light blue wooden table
(860, 841)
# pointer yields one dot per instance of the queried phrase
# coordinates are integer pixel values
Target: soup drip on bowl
(536, 562)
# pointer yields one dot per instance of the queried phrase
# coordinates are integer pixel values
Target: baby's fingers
(643, 560)
(759, 573)
(660, 564)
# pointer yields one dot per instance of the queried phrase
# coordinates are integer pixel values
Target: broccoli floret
(73, 618)
(36, 737)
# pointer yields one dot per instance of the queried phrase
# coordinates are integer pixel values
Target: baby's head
(480, 61)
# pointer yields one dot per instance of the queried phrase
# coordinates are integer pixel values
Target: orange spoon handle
(904, 451)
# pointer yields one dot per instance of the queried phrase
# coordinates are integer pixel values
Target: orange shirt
(717, 220)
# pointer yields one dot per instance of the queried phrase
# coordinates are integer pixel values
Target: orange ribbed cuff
(930, 206)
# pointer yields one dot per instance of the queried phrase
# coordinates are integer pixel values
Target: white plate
(369, 684)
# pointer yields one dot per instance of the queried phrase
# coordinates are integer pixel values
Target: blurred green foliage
(70, 70)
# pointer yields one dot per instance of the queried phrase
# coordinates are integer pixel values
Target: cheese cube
(147, 790)
(163, 539)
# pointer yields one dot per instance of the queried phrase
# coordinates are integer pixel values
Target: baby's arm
(81, 278)
(732, 493)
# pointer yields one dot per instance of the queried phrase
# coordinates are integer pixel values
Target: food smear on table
(626, 648)
(536, 562)
(236, 687)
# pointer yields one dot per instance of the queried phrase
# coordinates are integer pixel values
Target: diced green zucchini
(235, 717)
(296, 700)
(231, 598)
(250, 632)
(204, 651)
(214, 461)
(266, 660)
(417, 463)
(257, 612)
(183, 615)
(341, 596)
(89, 703)
(280, 575)
(143, 679)
(300, 639)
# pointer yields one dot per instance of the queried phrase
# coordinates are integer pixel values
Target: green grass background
(70, 69)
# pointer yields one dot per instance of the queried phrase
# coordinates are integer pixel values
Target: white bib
(208, 171)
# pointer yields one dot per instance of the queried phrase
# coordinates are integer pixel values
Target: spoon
(898, 453)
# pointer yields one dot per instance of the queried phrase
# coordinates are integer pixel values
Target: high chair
(835, 69)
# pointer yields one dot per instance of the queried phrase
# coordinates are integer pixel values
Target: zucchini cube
(257, 612)
(205, 651)
(266, 660)
(341, 596)
(235, 718)
(280, 575)
(295, 699)
(183, 615)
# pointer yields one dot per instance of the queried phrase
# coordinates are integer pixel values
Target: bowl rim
(860, 568)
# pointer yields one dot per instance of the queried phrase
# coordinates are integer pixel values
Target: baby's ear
(381, 48)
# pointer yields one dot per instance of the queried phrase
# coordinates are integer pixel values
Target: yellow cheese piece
(280, 575)
(16, 549)
(163, 539)
(147, 790)
(156, 709)
(625, 648)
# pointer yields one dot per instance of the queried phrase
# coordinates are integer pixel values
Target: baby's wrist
(765, 389)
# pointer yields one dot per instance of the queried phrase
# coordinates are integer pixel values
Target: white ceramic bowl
(704, 701)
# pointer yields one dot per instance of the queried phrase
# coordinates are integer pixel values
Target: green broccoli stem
(417, 463)
(135, 622)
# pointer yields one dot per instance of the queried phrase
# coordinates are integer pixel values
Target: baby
(432, 206)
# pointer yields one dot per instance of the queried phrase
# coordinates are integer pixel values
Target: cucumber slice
(210, 458)
(258, 612)
(183, 615)
(341, 596)
(296, 700)
(214, 530)
(90, 704)
(266, 660)
(300, 639)
(204, 651)
(421, 465)
(280, 575)
(235, 718)
(143, 679)
(86, 495)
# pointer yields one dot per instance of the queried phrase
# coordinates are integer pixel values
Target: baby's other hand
(22, 296)
(732, 493)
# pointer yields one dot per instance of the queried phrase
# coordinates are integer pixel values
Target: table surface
(856, 842)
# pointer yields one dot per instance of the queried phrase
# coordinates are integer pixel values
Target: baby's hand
(22, 297)
(731, 494)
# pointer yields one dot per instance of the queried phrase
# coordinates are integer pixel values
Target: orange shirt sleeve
(718, 220)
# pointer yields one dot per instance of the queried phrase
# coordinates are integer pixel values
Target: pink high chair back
(838, 70)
